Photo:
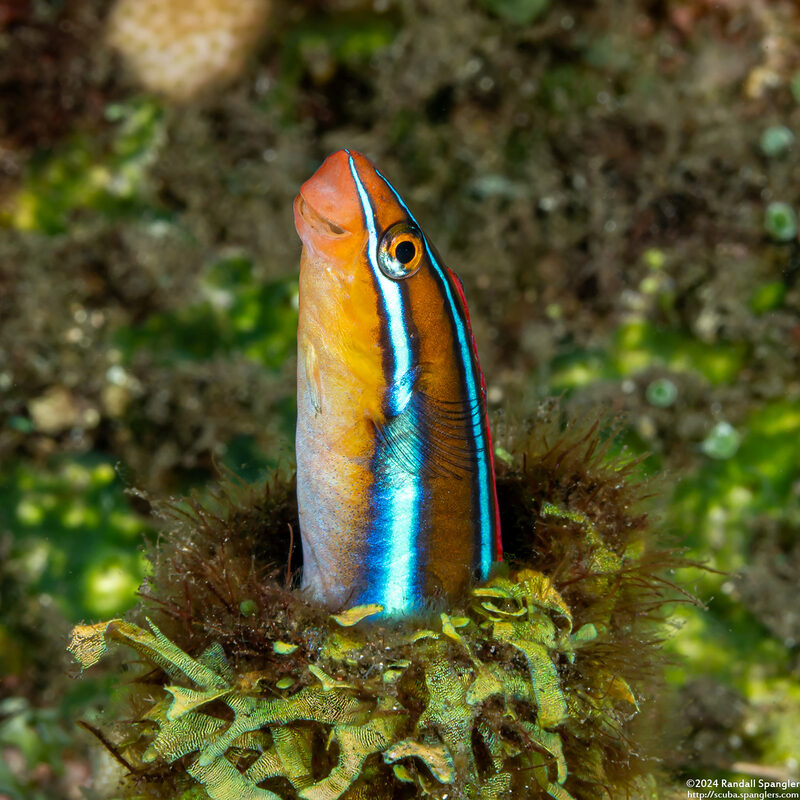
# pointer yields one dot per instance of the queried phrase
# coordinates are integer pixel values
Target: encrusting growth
(525, 687)
(181, 48)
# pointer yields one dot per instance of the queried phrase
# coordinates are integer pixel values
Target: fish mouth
(316, 221)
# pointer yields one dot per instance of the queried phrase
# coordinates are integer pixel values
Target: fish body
(395, 478)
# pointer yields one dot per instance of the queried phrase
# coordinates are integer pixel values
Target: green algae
(768, 297)
(80, 174)
(47, 506)
(757, 478)
(780, 221)
(239, 315)
(638, 345)
(370, 716)
(518, 12)
(742, 640)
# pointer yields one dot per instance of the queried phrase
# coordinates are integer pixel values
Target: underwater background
(617, 185)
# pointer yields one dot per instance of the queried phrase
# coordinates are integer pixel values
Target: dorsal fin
(473, 347)
(460, 289)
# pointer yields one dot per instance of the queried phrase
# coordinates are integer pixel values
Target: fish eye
(400, 251)
(405, 252)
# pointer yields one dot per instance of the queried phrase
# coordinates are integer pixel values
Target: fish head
(351, 219)
(362, 246)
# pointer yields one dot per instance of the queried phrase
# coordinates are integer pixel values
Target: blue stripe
(399, 510)
(486, 511)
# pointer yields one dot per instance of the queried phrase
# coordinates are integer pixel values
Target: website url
(717, 795)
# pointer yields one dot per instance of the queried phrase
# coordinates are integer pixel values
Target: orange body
(394, 468)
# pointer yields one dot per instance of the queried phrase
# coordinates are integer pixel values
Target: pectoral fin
(313, 382)
(428, 436)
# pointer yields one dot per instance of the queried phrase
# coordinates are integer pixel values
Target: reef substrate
(529, 687)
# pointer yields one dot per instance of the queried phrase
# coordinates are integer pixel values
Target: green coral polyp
(522, 689)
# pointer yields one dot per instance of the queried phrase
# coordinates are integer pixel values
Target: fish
(396, 487)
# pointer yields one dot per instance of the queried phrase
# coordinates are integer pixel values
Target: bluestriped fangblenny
(395, 478)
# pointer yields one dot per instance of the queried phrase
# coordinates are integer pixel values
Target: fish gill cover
(528, 686)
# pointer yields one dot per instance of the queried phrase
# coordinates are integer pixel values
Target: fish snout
(328, 202)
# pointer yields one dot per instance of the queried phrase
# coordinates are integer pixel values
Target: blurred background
(617, 185)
